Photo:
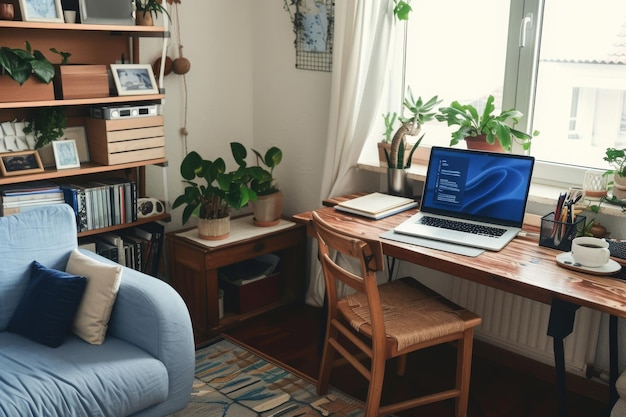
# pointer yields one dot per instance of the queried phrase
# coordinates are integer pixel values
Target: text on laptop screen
(481, 186)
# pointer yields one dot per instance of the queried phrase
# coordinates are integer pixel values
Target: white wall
(243, 86)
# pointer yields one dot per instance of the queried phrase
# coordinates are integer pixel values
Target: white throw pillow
(94, 311)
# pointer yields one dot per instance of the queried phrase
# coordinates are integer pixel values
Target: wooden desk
(523, 268)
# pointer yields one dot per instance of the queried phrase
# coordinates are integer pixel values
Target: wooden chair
(386, 321)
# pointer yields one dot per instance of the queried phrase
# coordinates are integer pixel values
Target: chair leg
(401, 370)
(326, 365)
(375, 388)
(463, 371)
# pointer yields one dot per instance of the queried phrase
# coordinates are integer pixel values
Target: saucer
(566, 260)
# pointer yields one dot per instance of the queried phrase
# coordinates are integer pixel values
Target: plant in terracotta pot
(210, 193)
(20, 64)
(268, 205)
(147, 9)
(617, 159)
(484, 127)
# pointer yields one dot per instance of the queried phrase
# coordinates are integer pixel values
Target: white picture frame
(65, 154)
(41, 11)
(134, 79)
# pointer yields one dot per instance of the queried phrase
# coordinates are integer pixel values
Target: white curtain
(363, 43)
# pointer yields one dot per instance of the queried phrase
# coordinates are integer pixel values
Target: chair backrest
(369, 255)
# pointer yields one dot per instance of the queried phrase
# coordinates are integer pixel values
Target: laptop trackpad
(433, 244)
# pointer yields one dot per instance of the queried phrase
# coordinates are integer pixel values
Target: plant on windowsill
(212, 200)
(484, 128)
(617, 159)
(268, 205)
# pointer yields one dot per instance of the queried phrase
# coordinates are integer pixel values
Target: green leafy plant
(65, 56)
(420, 112)
(47, 124)
(402, 9)
(20, 64)
(220, 191)
(472, 124)
(261, 180)
(617, 159)
(151, 6)
(390, 121)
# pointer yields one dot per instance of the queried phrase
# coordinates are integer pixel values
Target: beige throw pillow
(103, 282)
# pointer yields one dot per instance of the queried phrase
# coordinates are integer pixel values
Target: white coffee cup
(590, 251)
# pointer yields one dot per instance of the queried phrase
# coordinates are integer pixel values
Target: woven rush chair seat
(412, 312)
(385, 322)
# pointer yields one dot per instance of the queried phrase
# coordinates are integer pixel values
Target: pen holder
(559, 235)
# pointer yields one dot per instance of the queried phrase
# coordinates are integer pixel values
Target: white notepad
(376, 205)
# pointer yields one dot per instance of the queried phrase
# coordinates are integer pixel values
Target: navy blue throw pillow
(47, 309)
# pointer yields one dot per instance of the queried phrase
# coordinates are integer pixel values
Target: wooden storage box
(126, 140)
(81, 81)
(32, 90)
(247, 297)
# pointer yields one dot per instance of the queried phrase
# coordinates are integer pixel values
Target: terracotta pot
(268, 209)
(214, 229)
(144, 19)
(479, 143)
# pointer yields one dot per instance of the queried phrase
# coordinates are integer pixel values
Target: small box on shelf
(559, 235)
(125, 140)
(81, 81)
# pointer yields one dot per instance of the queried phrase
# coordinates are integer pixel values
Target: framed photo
(41, 11)
(18, 163)
(65, 154)
(134, 79)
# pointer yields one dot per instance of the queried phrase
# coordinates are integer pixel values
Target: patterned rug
(231, 381)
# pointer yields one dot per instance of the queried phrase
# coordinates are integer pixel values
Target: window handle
(525, 25)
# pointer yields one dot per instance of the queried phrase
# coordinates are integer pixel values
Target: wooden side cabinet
(194, 268)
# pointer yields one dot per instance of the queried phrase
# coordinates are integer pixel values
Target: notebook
(474, 190)
(376, 205)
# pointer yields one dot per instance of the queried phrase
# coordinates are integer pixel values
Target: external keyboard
(476, 229)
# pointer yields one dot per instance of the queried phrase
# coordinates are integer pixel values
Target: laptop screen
(482, 186)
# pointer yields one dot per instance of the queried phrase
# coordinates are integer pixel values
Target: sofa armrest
(151, 315)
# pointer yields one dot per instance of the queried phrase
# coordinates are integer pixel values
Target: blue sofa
(145, 366)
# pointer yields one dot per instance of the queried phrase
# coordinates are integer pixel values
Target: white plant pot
(214, 229)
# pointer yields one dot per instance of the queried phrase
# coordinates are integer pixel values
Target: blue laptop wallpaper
(474, 185)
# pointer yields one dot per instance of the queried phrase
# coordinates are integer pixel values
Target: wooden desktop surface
(522, 267)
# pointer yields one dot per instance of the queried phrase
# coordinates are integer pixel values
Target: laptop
(472, 198)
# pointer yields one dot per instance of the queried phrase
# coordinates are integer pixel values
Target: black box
(559, 235)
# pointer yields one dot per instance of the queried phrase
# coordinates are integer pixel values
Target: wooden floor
(503, 384)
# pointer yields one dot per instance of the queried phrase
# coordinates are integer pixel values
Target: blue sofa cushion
(47, 309)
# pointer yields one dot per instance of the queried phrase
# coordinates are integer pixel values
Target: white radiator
(519, 324)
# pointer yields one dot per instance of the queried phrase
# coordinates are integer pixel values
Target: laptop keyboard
(476, 229)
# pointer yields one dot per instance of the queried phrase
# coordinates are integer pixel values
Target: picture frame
(19, 163)
(42, 11)
(110, 12)
(65, 154)
(134, 79)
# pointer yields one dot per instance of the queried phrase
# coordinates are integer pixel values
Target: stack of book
(17, 198)
(376, 205)
(138, 247)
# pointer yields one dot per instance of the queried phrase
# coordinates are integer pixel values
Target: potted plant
(268, 205)
(481, 130)
(18, 65)
(397, 158)
(146, 9)
(212, 200)
(617, 159)
(47, 124)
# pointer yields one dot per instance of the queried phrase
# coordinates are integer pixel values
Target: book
(376, 205)
(154, 232)
(250, 270)
(118, 242)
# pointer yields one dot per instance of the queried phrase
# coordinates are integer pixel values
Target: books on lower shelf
(138, 247)
(250, 270)
(97, 204)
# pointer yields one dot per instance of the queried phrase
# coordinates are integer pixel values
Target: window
(561, 63)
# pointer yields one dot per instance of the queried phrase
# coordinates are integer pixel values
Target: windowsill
(543, 194)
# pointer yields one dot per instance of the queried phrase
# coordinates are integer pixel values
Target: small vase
(144, 19)
(214, 229)
(398, 182)
(267, 209)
